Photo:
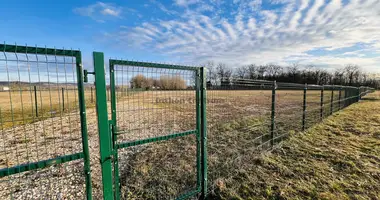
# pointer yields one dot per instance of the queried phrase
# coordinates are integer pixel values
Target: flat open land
(337, 159)
(237, 121)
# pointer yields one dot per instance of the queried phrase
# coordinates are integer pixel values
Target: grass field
(19, 106)
(237, 122)
(338, 159)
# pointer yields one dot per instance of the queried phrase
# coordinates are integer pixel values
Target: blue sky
(326, 33)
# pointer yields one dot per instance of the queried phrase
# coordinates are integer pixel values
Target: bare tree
(252, 71)
(241, 72)
(211, 74)
(352, 73)
(261, 71)
(293, 72)
(224, 73)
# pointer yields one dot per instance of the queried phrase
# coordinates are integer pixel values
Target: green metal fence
(158, 131)
(153, 106)
(44, 144)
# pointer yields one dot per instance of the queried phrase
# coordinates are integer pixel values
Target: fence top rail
(38, 50)
(113, 62)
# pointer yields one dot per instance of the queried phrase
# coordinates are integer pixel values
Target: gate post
(83, 122)
(358, 94)
(304, 108)
(114, 131)
(203, 132)
(322, 106)
(340, 97)
(273, 112)
(103, 126)
(332, 101)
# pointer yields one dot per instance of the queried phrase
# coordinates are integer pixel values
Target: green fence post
(358, 94)
(340, 97)
(322, 106)
(332, 101)
(199, 127)
(103, 126)
(63, 99)
(35, 100)
(83, 121)
(203, 132)
(114, 131)
(346, 95)
(304, 108)
(273, 113)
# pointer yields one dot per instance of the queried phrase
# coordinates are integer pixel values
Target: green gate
(154, 107)
(44, 142)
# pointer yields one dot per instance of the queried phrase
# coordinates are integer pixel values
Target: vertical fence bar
(198, 87)
(203, 133)
(108, 94)
(322, 103)
(332, 101)
(358, 94)
(103, 126)
(340, 97)
(304, 108)
(92, 96)
(63, 99)
(199, 127)
(114, 131)
(346, 94)
(273, 113)
(83, 121)
(35, 100)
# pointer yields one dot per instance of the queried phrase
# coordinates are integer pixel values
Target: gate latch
(85, 75)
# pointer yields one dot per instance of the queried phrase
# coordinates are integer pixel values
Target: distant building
(4, 88)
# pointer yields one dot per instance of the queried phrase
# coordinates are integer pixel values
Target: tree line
(165, 82)
(350, 75)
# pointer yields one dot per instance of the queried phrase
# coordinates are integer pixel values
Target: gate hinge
(106, 159)
(85, 75)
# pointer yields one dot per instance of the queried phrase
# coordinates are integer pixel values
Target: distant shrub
(140, 81)
(172, 83)
(165, 82)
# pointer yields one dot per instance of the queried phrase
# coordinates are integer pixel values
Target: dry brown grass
(338, 159)
(18, 107)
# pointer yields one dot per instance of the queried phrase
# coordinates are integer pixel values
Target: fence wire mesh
(252, 116)
(238, 121)
(40, 125)
(156, 132)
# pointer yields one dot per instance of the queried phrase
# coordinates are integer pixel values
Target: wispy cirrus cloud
(185, 2)
(100, 11)
(281, 31)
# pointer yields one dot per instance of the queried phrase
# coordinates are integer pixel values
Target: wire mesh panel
(238, 123)
(43, 137)
(313, 105)
(155, 110)
(289, 108)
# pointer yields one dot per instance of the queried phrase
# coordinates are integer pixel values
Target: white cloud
(281, 35)
(185, 3)
(99, 11)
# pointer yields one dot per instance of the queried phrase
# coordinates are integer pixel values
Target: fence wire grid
(42, 153)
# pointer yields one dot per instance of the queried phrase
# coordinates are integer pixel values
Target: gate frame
(85, 155)
(108, 128)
